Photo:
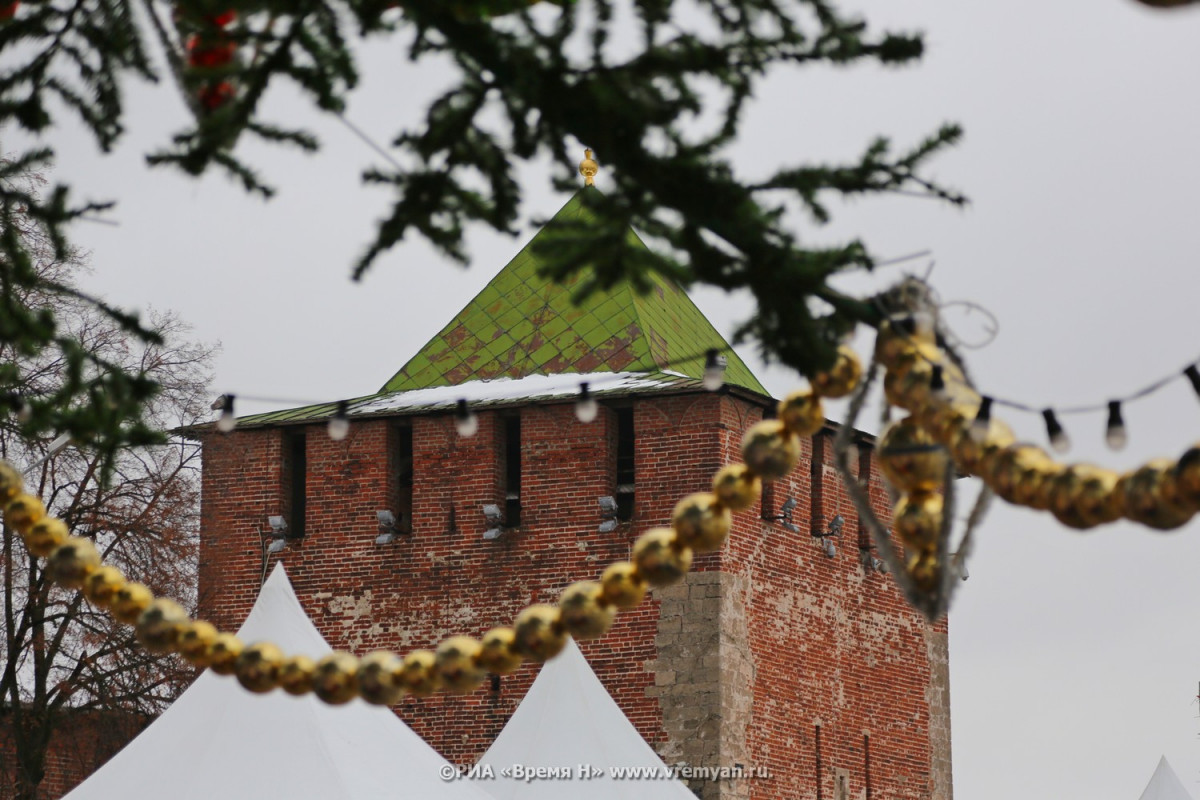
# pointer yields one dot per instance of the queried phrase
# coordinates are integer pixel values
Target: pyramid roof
(568, 720)
(524, 323)
(526, 337)
(236, 744)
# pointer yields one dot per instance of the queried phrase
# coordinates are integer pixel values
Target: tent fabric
(1165, 784)
(218, 740)
(566, 721)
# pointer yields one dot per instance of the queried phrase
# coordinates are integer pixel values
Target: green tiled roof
(524, 324)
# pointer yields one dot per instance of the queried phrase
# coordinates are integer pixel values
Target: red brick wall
(82, 742)
(831, 645)
(834, 646)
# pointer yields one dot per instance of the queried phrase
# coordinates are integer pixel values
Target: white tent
(218, 740)
(566, 722)
(1165, 784)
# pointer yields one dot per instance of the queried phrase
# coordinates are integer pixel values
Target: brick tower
(771, 655)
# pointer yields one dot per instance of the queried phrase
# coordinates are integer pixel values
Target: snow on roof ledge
(527, 388)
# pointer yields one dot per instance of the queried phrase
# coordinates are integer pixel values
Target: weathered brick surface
(82, 742)
(739, 665)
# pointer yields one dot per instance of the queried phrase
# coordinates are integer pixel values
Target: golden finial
(588, 168)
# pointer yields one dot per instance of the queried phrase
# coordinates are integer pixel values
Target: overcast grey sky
(1074, 657)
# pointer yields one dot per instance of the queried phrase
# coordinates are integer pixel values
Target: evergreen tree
(530, 76)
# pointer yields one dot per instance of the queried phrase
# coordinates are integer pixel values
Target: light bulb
(937, 382)
(339, 423)
(923, 325)
(1115, 432)
(465, 421)
(1193, 376)
(1059, 440)
(586, 407)
(228, 420)
(714, 370)
(983, 420)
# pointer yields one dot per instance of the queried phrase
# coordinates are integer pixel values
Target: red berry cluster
(212, 48)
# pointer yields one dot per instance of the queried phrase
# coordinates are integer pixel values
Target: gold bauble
(1034, 481)
(1187, 477)
(660, 557)
(72, 561)
(802, 412)
(296, 675)
(770, 449)
(222, 655)
(910, 459)
(497, 651)
(160, 624)
(457, 665)
(22, 512)
(45, 535)
(894, 348)
(11, 482)
(842, 377)
(971, 452)
(584, 612)
(257, 667)
(624, 587)
(539, 634)
(335, 679)
(909, 389)
(1082, 496)
(924, 569)
(1013, 472)
(952, 411)
(418, 675)
(101, 586)
(195, 641)
(130, 601)
(379, 678)
(737, 487)
(1096, 498)
(701, 522)
(918, 519)
(1148, 496)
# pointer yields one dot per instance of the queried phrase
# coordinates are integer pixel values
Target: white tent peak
(238, 744)
(568, 719)
(277, 616)
(1165, 784)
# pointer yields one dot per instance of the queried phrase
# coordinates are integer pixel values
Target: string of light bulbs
(465, 421)
(1116, 435)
